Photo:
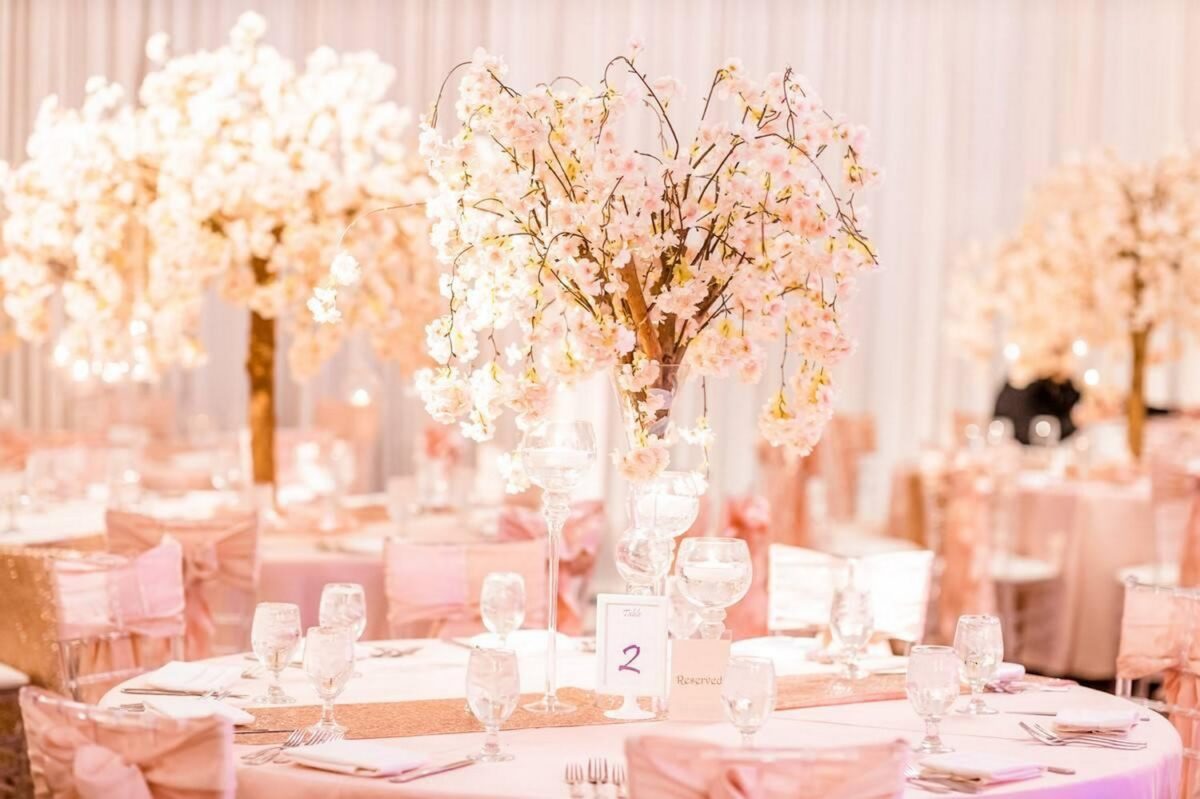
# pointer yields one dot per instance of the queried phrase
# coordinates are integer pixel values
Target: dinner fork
(597, 772)
(574, 779)
(300, 737)
(1093, 737)
(618, 778)
(1044, 736)
(321, 736)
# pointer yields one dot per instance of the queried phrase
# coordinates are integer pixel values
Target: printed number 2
(628, 665)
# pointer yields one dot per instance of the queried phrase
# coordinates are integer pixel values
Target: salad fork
(574, 779)
(618, 779)
(1051, 739)
(597, 773)
(1090, 737)
(295, 739)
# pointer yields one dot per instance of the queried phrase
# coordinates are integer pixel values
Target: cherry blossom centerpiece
(574, 247)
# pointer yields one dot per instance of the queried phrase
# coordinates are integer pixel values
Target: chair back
(962, 495)
(680, 768)
(78, 750)
(1159, 640)
(83, 622)
(1175, 502)
(803, 582)
(220, 571)
(582, 534)
(433, 589)
(838, 455)
(748, 518)
(785, 485)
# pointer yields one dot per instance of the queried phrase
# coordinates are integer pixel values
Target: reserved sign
(697, 671)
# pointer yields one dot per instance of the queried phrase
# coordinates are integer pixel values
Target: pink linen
(785, 480)
(433, 589)
(220, 557)
(677, 768)
(1175, 499)
(78, 751)
(966, 585)
(582, 533)
(748, 518)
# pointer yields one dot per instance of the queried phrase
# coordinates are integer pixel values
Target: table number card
(631, 645)
(697, 670)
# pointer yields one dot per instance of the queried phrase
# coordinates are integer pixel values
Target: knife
(430, 771)
(162, 692)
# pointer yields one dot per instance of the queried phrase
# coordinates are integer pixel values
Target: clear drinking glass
(979, 644)
(682, 616)
(274, 637)
(1045, 431)
(851, 623)
(344, 605)
(493, 690)
(643, 559)
(329, 662)
(748, 694)
(555, 456)
(668, 504)
(713, 574)
(932, 687)
(502, 603)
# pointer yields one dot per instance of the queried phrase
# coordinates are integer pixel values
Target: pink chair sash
(77, 751)
(1158, 636)
(433, 589)
(785, 480)
(221, 551)
(1175, 497)
(582, 534)
(748, 518)
(966, 584)
(838, 454)
(673, 768)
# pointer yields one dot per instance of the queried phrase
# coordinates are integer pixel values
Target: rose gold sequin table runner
(448, 716)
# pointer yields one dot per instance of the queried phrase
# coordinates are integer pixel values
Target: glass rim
(343, 585)
(276, 606)
(981, 617)
(933, 648)
(711, 539)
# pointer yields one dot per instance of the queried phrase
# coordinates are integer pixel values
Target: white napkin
(363, 758)
(1090, 719)
(980, 766)
(195, 707)
(198, 676)
(1008, 672)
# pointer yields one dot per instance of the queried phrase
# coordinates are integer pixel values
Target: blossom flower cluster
(1106, 249)
(574, 247)
(236, 171)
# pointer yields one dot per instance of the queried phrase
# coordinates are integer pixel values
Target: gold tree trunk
(260, 369)
(1136, 405)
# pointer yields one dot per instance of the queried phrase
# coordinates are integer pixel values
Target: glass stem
(556, 508)
(932, 738)
(327, 713)
(276, 690)
(491, 741)
(748, 740)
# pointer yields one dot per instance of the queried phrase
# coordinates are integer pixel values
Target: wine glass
(851, 623)
(643, 559)
(748, 694)
(979, 644)
(669, 503)
(329, 661)
(502, 603)
(931, 683)
(274, 637)
(713, 574)
(555, 456)
(493, 690)
(344, 605)
(682, 617)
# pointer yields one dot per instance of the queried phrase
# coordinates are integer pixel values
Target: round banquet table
(438, 670)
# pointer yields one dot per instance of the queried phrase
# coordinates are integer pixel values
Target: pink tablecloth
(541, 754)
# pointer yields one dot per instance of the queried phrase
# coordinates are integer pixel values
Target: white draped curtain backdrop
(968, 102)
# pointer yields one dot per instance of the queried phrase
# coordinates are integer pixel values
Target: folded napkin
(1087, 719)
(195, 707)
(980, 767)
(361, 758)
(1008, 672)
(198, 676)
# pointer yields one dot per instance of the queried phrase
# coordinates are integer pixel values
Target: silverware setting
(394, 652)
(1042, 735)
(912, 774)
(598, 773)
(429, 771)
(226, 694)
(1050, 713)
(299, 737)
(574, 779)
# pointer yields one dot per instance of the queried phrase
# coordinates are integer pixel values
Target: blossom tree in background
(573, 248)
(239, 172)
(1105, 257)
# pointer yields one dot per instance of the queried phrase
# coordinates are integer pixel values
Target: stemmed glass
(932, 687)
(344, 605)
(274, 637)
(502, 603)
(682, 617)
(493, 690)
(979, 644)
(643, 559)
(713, 574)
(666, 506)
(748, 694)
(328, 661)
(555, 456)
(851, 622)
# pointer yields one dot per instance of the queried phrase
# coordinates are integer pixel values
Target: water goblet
(979, 644)
(682, 617)
(502, 603)
(329, 661)
(748, 694)
(493, 690)
(555, 456)
(931, 683)
(344, 605)
(643, 559)
(274, 636)
(713, 574)
(851, 623)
